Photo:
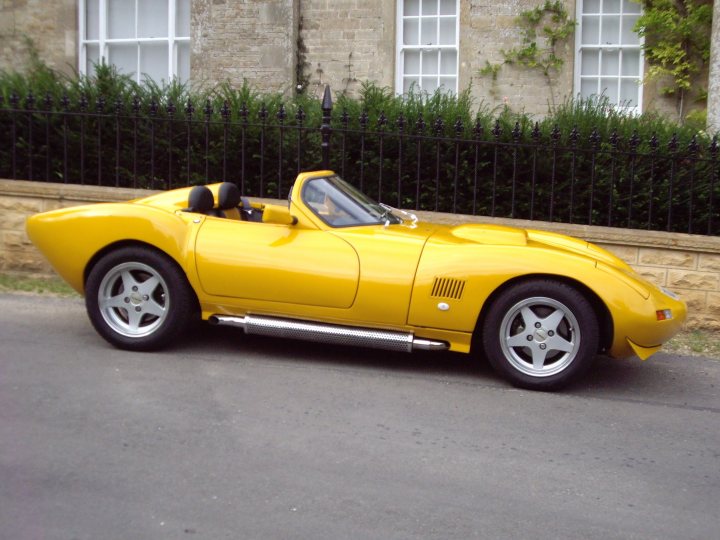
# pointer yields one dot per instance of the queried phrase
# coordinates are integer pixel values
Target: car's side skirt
(329, 333)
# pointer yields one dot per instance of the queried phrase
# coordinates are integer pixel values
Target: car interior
(230, 203)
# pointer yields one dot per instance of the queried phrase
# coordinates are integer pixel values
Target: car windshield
(339, 204)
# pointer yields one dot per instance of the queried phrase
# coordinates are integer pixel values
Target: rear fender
(71, 238)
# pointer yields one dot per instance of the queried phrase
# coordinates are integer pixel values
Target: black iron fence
(517, 171)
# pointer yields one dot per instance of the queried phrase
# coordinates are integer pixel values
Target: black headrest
(228, 196)
(200, 200)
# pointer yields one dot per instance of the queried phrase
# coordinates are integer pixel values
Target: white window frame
(172, 40)
(579, 48)
(400, 48)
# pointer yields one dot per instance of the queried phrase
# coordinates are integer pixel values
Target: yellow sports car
(334, 266)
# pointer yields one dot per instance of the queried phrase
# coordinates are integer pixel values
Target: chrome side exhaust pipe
(329, 333)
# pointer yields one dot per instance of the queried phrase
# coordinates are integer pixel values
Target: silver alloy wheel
(540, 336)
(133, 299)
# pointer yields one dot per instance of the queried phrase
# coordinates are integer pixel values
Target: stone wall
(713, 103)
(347, 42)
(488, 27)
(687, 264)
(351, 41)
(52, 27)
(236, 41)
(341, 43)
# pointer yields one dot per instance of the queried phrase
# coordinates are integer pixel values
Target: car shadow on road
(232, 341)
(625, 376)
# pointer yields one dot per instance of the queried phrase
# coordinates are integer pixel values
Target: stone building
(277, 45)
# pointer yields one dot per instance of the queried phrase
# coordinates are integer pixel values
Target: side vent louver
(448, 288)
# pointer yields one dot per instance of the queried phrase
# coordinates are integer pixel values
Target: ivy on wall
(677, 36)
(544, 29)
(677, 46)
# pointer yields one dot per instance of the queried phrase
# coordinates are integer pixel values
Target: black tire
(138, 299)
(541, 334)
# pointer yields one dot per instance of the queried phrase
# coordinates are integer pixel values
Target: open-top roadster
(334, 266)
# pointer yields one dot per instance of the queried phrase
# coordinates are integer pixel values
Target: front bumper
(643, 331)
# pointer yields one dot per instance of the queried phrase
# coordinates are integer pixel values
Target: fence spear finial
(327, 99)
(325, 128)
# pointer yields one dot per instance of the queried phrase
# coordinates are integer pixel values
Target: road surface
(242, 437)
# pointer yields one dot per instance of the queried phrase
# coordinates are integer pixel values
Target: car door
(276, 263)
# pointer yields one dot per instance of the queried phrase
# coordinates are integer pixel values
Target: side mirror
(278, 215)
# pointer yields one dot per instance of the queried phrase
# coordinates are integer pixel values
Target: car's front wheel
(138, 299)
(541, 334)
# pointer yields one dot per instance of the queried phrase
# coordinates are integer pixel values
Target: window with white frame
(609, 60)
(142, 38)
(427, 45)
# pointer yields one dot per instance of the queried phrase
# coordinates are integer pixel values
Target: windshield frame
(343, 205)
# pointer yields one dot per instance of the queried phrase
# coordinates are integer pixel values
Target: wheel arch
(133, 243)
(604, 317)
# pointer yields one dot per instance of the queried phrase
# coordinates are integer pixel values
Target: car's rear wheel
(138, 299)
(541, 334)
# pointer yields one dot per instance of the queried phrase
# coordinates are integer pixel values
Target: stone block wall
(236, 41)
(50, 24)
(488, 27)
(348, 42)
(686, 264)
(341, 43)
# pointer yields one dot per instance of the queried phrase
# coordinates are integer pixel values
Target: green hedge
(585, 162)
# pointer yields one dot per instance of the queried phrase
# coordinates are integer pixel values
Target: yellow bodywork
(431, 280)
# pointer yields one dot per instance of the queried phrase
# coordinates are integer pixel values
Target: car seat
(200, 200)
(228, 201)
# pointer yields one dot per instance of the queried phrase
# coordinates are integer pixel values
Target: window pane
(447, 7)
(409, 83)
(121, 19)
(448, 84)
(610, 30)
(609, 87)
(182, 18)
(429, 7)
(429, 84)
(610, 63)
(124, 57)
(183, 62)
(590, 61)
(412, 7)
(629, 36)
(591, 6)
(448, 62)
(631, 7)
(411, 35)
(92, 19)
(588, 87)
(152, 18)
(154, 61)
(591, 30)
(412, 63)
(92, 54)
(429, 32)
(629, 93)
(631, 63)
(611, 6)
(429, 63)
(447, 31)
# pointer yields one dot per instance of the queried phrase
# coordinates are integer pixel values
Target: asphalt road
(229, 436)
